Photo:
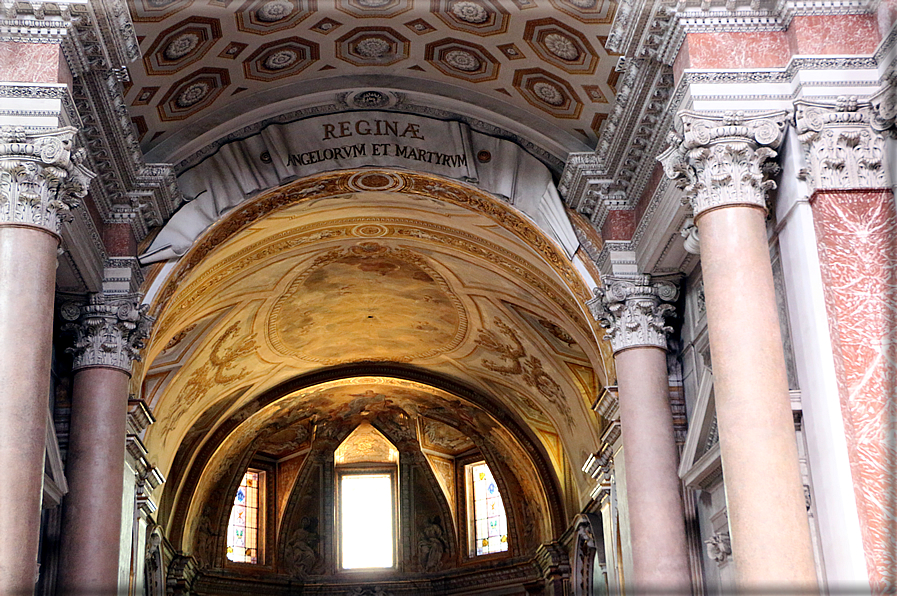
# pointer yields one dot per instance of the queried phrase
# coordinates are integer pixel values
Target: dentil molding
(721, 161)
(41, 177)
(842, 146)
(634, 311)
(109, 332)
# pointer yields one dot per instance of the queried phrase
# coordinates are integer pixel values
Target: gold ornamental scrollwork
(345, 182)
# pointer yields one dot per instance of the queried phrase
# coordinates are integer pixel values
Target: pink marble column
(44, 184)
(27, 279)
(856, 229)
(109, 333)
(633, 311)
(721, 160)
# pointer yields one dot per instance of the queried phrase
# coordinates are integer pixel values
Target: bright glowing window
(366, 520)
(245, 520)
(486, 512)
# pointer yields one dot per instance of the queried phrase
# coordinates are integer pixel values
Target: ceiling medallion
(548, 93)
(281, 59)
(375, 181)
(561, 46)
(193, 94)
(274, 10)
(370, 99)
(372, 47)
(470, 12)
(462, 60)
(370, 231)
(582, 3)
(181, 45)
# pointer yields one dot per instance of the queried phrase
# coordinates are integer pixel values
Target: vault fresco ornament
(402, 307)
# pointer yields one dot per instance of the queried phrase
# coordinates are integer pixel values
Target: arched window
(487, 522)
(366, 499)
(244, 527)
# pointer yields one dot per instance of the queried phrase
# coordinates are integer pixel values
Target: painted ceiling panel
(542, 57)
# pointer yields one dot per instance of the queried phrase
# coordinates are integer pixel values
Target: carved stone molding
(721, 161)
(109, 332)
(842, 146)
(719, 547)
(691, 239)
(41, 177)
(633, 310)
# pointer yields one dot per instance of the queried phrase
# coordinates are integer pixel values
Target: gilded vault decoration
(222, 368)
(514, 361)
(391, 299)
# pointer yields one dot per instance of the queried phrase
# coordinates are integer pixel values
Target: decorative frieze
(842, 147)
(109, 332)
(721, 161)
(41, 177)
(634, 311)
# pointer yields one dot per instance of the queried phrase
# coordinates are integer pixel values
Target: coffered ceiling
(541, 62)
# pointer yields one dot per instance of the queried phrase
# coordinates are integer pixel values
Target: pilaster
(41, 177)
(109, 331)
(855, 220)
(634, 311)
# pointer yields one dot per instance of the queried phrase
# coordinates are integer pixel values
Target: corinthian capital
(109, 332)
(633, 310)
(843, 148)
(41, 177)
(721, 160)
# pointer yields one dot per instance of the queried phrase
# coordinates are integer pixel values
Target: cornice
(98, 48)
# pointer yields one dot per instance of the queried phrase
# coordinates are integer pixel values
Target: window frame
(266, 530)
(388, 469)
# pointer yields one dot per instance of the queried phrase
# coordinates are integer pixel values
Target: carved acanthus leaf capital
(41, 176)
(634, 311)
(841, 142)
(109, 332)
(722, 160)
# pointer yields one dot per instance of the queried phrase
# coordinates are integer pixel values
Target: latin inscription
(377, 150)
(377, 128)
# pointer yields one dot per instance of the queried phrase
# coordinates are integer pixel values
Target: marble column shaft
(40, 180)
(109, 334)
(633, 312)
(722, 160)
(91, 528)
(27, 280)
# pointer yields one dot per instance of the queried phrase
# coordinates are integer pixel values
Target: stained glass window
(243, 527)
(488, 522)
